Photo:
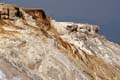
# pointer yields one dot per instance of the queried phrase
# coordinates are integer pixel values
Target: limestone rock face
(35, 47)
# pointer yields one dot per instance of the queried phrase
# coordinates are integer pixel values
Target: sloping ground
(34, 47)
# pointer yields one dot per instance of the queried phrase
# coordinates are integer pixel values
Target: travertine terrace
(33, 46)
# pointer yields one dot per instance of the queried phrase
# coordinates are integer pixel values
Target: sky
(105, 13)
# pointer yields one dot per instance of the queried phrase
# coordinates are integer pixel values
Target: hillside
(33, 46)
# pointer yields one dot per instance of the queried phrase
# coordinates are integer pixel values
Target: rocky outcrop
(9, 11)
(39, 15)
(35, 47)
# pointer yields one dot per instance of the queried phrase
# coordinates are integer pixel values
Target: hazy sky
(105, 13)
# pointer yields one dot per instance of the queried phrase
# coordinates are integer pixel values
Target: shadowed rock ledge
(33, 46)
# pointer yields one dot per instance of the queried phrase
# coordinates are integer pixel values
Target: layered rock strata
(35, 47)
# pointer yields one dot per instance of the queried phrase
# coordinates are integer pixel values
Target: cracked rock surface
(33, 46)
